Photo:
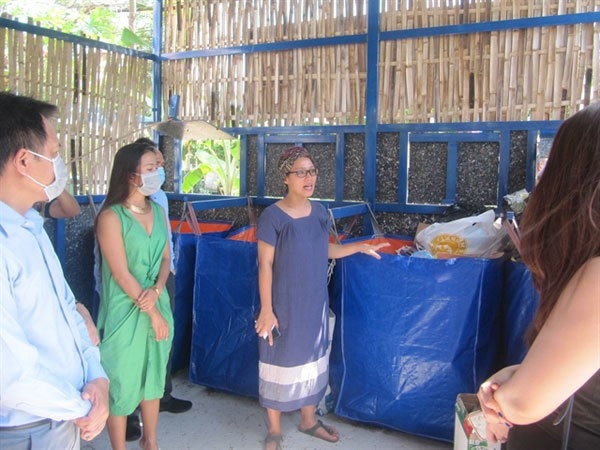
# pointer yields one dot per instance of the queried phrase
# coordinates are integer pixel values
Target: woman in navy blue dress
(293, 249)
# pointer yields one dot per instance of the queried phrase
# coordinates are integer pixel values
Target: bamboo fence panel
(534, 73)
(296, 87)
(101, 97)
(201, 24)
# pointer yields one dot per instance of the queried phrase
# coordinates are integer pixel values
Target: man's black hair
(22, 124)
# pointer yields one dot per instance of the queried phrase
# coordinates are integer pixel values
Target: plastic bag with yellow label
(477, 236)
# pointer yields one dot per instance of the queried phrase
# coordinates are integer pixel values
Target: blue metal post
(451, 173)
(157, 65)
(372, 88)
(339, 167)
(504, 165)
(403, 157)
(177, 145)
(261, 165)
(530, 163)
(243, 165)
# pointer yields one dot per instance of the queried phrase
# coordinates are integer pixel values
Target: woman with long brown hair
(135, 320)
(561, 246)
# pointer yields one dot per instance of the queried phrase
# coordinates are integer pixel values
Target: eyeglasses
(301, 173)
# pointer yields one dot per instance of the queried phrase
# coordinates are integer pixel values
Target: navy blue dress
(294, 372)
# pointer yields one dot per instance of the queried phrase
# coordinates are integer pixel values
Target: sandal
(275, 438)
(312, 431)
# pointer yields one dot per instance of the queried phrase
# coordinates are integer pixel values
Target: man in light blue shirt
(52, 387)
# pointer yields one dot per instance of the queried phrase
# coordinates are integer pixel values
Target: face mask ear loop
(55, 188)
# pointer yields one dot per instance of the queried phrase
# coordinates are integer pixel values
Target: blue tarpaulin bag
(410, 335)
(184, 247)
(224, 352)
(521, 302)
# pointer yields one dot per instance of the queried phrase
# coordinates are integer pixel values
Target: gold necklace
(137, 209)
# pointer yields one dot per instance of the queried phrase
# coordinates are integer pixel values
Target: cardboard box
(469, 425)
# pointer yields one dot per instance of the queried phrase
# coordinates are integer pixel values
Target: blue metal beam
(499, 25)
(299, 138)
(268, 47)
(200, 205)
(412, 208)
(297, 130)
(461, 127)
(349, 210)
(40, 31)
(85, 199)
(488, 136)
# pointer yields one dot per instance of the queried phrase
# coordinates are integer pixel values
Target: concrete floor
(221, 421)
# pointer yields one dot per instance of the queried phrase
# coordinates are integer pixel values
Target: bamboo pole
(3, 59)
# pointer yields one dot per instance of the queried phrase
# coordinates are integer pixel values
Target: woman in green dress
(135, 320)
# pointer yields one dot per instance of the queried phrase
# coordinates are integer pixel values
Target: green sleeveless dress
(134, 361)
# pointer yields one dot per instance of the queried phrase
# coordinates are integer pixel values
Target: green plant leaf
(130, 39)
(191, 179)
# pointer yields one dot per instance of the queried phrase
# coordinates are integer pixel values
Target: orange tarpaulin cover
(205, 226)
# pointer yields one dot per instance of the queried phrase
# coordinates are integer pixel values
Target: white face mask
(151, 182)
(61, 176)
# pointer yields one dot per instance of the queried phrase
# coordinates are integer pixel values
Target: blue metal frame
(371, 128)
(34, 29)
(372, 39)
(450, 133)
(452, 139)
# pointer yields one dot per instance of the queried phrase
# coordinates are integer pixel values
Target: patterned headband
(289, 157)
